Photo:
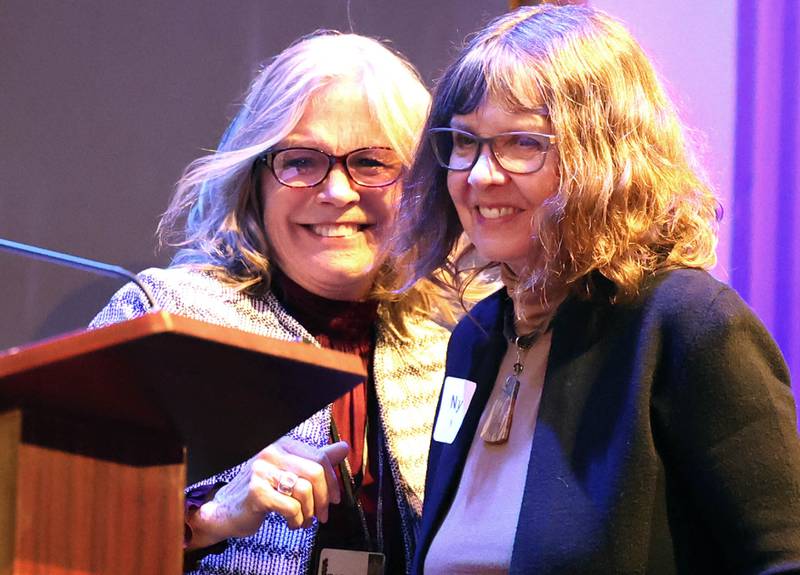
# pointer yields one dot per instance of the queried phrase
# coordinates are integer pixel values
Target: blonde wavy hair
(214, 217)
(631, 199)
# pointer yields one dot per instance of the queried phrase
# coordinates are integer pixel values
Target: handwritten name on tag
(456, 396)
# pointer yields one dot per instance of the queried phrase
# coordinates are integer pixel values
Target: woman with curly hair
(612, 409)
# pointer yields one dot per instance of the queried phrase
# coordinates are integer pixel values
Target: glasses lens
(454, 149)
(374, 167)
(300, 167)
(521, 153)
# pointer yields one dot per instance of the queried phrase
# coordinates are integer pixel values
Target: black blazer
(665, 442)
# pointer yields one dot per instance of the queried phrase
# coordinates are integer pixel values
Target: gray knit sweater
(407, 377)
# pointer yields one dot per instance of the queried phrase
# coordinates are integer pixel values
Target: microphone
(77, 262)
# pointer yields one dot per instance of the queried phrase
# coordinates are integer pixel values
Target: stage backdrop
(733, 68)
(103, 103)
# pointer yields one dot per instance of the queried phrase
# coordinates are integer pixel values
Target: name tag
(456, 396)
(346, 562)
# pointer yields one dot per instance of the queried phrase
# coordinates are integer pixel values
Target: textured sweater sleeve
(127, 303)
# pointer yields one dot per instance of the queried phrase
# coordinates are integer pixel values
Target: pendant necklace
(497, 427)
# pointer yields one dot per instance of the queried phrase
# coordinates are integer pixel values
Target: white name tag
(346, 562)
(456, 395)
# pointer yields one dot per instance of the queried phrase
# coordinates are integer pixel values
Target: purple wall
(765, 263)
(733, 69)
(693, 45)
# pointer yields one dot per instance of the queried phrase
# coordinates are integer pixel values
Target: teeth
(335, 230)
(494, 213)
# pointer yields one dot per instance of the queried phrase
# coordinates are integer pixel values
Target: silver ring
(286, 483)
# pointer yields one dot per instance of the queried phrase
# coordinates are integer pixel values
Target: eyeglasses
(516, 152)
(307, 167)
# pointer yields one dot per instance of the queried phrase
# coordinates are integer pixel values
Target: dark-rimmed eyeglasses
(308, 167)
(516, 152)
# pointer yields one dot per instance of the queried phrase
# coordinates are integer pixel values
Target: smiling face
(496, 207)
(329, 238)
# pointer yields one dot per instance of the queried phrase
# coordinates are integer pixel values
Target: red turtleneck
(349, 327)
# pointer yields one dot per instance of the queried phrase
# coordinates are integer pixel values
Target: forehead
(490, 117)
(338, 119)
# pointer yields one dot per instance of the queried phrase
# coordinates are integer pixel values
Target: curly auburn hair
(631, 199)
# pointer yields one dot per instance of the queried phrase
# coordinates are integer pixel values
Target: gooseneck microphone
(77, 262)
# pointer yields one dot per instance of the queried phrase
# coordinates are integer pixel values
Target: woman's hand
(264, 485)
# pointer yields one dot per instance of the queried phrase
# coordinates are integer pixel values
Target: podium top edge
(80, 342)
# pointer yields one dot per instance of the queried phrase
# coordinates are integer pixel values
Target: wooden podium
(95, 428)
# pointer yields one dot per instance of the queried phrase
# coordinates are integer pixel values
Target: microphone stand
(78, 262)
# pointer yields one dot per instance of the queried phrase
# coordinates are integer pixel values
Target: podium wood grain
(68, 514)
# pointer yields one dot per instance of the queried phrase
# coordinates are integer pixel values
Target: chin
(345, 276)
(349, 283)
(502, 252)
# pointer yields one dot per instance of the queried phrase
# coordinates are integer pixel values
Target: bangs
(513, 78)
(460, 91)
(493, 71)
(469, 88)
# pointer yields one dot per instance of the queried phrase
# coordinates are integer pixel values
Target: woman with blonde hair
(612, 409)
(281, 232)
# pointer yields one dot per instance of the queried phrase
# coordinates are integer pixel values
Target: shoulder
(129, 301)
(692, 290)
(692, 305)
(200, 295)
(685, 316)
(179, 290)
(170, 282)
(706, 329)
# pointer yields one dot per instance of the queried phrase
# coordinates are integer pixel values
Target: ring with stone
(286, 483)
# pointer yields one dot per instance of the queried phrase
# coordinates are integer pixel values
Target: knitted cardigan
(407, 376)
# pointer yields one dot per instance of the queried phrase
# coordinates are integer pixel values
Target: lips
(344, 230)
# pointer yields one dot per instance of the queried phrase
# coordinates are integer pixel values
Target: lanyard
(351, 489)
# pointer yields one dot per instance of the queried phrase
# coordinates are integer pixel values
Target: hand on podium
(286, 477)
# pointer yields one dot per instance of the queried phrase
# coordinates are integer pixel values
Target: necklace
(501, 413)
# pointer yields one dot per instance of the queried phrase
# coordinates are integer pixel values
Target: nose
(338, 188)
(486, 171)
